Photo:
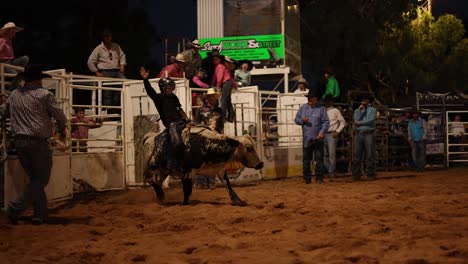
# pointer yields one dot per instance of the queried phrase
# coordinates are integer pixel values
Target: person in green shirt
(332, 88)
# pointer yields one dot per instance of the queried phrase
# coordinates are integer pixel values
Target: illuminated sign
(254, 48)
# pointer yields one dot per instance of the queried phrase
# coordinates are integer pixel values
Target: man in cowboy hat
(211, 116)
(314, 121)
(364, 140)
(417, 130)
(7, 56)
(108, 59)
(193, 59)
(302, 86)
(31, 109)
(174, 70)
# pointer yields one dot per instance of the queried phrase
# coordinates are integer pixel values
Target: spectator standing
(108, 59)
(31, 108)
(332, 88)
(193, 59)
(211, 116)
(364, 139)
(174, 70)
(7, 55)
(337, 124)
(314, 121)
(243, 75)
(80, 128)
(417, 139)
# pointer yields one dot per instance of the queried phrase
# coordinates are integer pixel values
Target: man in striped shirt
(31, 108)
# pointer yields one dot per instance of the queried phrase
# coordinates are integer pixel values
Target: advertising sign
(253, 48)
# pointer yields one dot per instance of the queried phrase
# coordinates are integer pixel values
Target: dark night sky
(76, 29)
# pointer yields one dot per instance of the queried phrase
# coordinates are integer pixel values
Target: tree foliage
(392, 48)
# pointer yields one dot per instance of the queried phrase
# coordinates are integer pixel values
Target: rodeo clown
(172, 116)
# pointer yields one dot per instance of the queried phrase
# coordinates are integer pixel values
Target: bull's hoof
(185, 203)
(238, 202)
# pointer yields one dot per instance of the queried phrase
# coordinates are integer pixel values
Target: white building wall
(210, 18)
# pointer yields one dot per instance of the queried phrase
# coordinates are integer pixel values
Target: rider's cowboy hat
(180, 58)
(196, 43)
(212, 91)
(10, 25)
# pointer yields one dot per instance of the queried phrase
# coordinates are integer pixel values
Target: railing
(456, 144)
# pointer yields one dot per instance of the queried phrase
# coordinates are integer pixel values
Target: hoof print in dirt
(139, 258)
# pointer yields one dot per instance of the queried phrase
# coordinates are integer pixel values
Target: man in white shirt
(337, 124)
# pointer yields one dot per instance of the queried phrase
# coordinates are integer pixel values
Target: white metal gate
(455, 142)
(282, 138)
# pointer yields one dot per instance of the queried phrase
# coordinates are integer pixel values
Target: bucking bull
(206, 154)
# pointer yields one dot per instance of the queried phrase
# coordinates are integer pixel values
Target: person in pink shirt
(224, 81)
(80, 127)
(196, 82)
(7, 55)
(174, 70)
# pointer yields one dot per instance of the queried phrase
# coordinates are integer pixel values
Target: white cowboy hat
(228, 59)
(10, 25)
(180, 58)
(212, 91)
(196, 44)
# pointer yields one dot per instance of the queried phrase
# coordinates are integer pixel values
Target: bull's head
(246, 153)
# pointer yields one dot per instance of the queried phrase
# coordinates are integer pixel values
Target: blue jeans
(418, 152)
(20, 61)
(364, 142)
(315, 151)
(330, 154)
(111, 98)
(36, 159)
(226, 103)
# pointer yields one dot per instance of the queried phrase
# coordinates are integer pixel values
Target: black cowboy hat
(312, 93)
(368, 97)
(328, 98)
(33, 72)
(415, 110)
(249, 63)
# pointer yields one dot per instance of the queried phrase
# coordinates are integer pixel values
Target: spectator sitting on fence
(457, 129)
(302, 86)
(174, 70)
(7, 56)
(223, 81)
(243, 75)
(79, 129)
(193, 59)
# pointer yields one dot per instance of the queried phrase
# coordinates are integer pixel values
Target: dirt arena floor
(404, 217)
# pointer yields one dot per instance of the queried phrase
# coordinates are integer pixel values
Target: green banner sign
(254, 48)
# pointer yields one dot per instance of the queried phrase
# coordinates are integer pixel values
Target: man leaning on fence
(31, 108)
(417, 139)
(364, 139)
(314, 121)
